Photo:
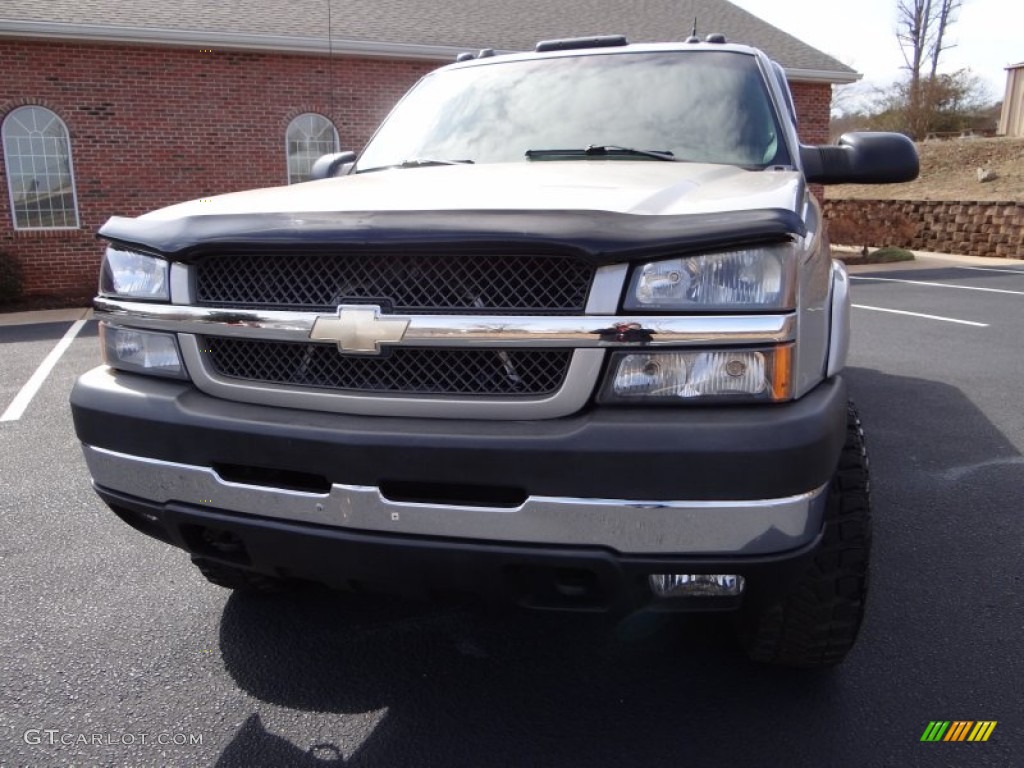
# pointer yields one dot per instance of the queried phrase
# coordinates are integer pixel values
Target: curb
(39, 316)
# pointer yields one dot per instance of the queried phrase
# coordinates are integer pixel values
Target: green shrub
(890, 254)
(10, 279)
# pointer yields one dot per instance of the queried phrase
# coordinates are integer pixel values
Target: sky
(989, 35)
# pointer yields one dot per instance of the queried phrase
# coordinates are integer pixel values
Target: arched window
(308, 137)
(40, 177)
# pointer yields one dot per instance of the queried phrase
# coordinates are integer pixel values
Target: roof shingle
(469, 24)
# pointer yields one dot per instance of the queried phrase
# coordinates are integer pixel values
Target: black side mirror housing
(862, 158)
(336, 164)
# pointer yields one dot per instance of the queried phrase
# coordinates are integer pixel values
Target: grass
(887, 255)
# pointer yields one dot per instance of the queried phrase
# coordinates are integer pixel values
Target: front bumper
(623, 526)
(732, 453)
(565, 578)
(625, 492)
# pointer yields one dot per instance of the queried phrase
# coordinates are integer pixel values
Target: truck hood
(635, 187)
(604, 211)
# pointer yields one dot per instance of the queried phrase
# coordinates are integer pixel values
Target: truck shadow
(468, 686)
(464, 686)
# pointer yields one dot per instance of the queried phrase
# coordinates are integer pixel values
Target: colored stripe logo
(959, 730)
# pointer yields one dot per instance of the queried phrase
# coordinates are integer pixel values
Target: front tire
(817, 623)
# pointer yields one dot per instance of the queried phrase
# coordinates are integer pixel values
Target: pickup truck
(567, 334)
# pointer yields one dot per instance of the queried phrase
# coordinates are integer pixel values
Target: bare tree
(944, 16)
(921, 28)
(956, 101)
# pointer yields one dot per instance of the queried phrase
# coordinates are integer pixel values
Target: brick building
(113, 108)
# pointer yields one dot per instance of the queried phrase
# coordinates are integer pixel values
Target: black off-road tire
(816, 624)
(239, 579)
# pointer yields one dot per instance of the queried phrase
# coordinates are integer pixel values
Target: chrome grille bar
(584, 331)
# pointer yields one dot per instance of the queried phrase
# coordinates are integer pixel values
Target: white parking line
(24, 397)
(920, 314)
(996, 269)
(937, 285)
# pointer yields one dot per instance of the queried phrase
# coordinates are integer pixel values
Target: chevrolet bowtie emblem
(359, 329)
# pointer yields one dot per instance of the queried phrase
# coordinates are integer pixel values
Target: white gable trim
(184, 38)
(822, 76)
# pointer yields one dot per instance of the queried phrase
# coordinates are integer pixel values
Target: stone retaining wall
(969, 228)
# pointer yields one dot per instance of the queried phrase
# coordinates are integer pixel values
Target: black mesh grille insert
(403, 370)
(398, 282)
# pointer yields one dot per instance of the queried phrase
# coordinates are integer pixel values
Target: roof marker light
(575, 43)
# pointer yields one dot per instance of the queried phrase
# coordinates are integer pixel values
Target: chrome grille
(397, 282)
(403, 370)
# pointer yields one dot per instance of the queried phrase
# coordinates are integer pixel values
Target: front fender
(839, 334)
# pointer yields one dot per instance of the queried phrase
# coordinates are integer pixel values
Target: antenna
(330, 67)
(693, 35)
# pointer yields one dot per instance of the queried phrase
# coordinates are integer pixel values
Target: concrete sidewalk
(929, 260)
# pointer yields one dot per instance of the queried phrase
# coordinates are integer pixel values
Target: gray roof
(456, 24)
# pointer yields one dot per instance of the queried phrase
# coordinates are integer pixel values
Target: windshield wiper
(419, 162)
(602, 150)
(416, 162)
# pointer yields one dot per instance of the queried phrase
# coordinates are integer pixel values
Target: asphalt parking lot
(114, 651)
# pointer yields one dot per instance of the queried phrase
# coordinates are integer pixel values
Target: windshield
(700, 106)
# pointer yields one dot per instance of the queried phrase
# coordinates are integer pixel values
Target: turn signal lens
(756, 374)
(141, 351)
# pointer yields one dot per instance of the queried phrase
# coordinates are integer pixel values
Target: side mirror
(337, 164)
(862, 158)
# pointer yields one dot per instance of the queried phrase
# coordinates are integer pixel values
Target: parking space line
(996, 269)
(921, 314)
(938, 285)
(32, 386)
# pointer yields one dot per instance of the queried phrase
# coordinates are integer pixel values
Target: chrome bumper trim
(629, 527)
(492, 331)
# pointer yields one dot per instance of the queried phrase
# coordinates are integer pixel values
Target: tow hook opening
(141, 520)
(216, 543)
(557, 588)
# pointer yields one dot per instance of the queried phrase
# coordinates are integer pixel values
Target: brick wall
(813, 103)
(154, 126)
(969, 228)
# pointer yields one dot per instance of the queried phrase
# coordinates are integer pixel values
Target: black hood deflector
(601, 237)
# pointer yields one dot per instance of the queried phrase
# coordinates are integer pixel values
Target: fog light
(141, 351)
(696, 584)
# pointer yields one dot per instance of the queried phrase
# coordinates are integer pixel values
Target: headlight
(735, 374)
(149, 352)
(752, 279)
(130, 275)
